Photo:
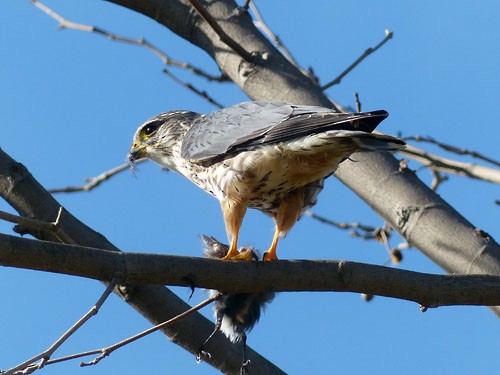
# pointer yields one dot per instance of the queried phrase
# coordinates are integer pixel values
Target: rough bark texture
(399, 197)
(156, 303)
(284, 275)
(419, 214)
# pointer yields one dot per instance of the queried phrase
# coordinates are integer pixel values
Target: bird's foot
(269, 256)
(242, 254)
(244, 367)
(202, 353)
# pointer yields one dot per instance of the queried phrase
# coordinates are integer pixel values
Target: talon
(243, 254)
(269, 256)
(244, 367)
(201, 353)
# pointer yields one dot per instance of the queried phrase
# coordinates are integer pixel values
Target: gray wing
(251, 124)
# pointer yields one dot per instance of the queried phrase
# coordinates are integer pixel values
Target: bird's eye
(150, 129)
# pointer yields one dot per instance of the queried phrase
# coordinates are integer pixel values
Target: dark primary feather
(250, 124)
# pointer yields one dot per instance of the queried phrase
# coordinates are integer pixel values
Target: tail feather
(378, 142)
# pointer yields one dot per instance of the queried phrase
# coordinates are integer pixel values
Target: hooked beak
(137, 151)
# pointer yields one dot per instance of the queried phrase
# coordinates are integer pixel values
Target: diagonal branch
(190, 87)
(156, 303)
(236, 47)
(167, 60)
(388, 35)
(104, 352)
(261, 24)
(28, 366)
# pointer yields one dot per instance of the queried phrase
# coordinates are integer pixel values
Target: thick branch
(404, 201)
(155, 303)
(232, 277)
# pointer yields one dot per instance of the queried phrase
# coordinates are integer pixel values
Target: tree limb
(388, 35)
(406, 203)
(245, 277)
(446, 165)
(156, 303)
(29, 366)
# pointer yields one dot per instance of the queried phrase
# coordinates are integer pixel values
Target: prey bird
(235, 314)
(264, 155)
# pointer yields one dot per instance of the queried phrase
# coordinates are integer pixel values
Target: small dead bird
(235, 314)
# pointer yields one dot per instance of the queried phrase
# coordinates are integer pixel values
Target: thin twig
(189, 86)
(200, 9)
(261, 24)
(358, 102)
(453, 149)
(388, 35)
(358, 230)
(438, 179)
(29, 366)
(445, 165)
(53, 227)
(142, 42)
(380, 234)
(108, 350)
(94, 181)
(168, 61)
(104, 352)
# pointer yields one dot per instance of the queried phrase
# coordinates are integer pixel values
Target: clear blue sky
(72, 100)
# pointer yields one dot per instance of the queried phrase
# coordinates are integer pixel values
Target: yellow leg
(233, 248)
(233, 212)
(288, 213)
(271, 253)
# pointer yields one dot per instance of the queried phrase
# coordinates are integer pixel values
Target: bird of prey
(264, 155)
(235, 314)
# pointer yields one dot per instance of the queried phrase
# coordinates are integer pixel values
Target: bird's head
(160, 137)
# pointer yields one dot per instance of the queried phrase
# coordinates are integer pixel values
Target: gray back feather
(250, 124)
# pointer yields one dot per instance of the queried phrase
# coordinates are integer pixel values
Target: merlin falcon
(264, 155)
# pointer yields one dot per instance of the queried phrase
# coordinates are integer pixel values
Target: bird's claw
(243, 254)
(201, 353)
(244, 367)
(269, 256)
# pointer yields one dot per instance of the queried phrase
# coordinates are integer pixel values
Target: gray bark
(406, 203)
(156, 303)
(426, 220)
(246, 277)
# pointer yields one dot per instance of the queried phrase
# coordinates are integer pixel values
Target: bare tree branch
(261, 24)
(453, 149)
(29, 366)
(142, 42)
(190, 87)
(358, 102)
(397, 195)
(380, 234)
(246, 277)
(366, 232)
(26, 222)
(66, 24)
(104, 352)
(388, 35)
(446, 165)
(155, 303)
(236, 47)
(94, 182)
